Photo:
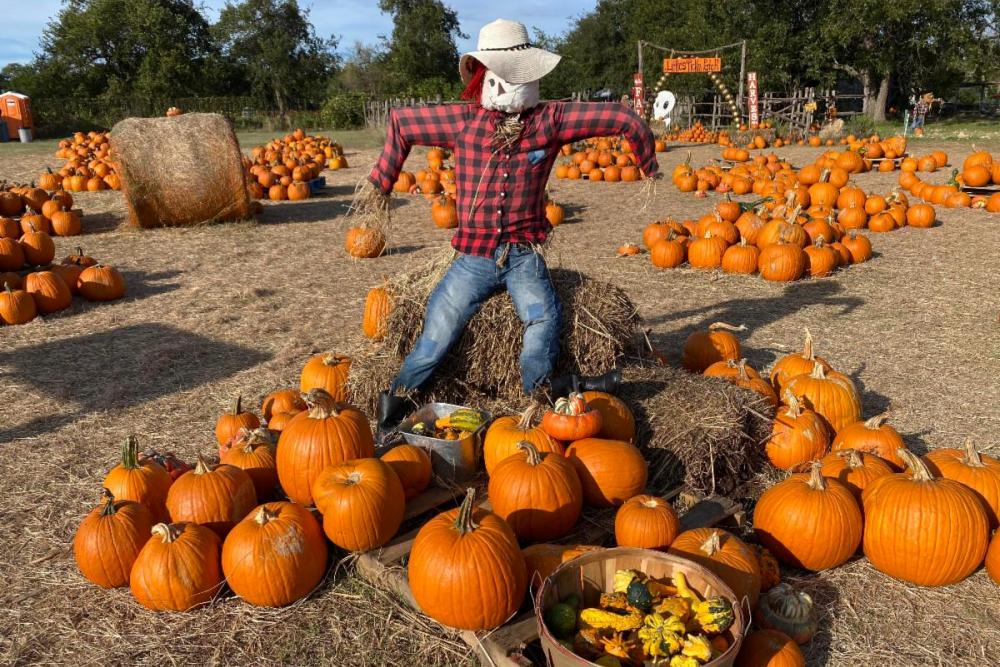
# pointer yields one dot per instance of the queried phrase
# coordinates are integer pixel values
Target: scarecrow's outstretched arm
(416, 126)
(582, 120)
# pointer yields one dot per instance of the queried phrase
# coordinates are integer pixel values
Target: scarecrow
(505, 141)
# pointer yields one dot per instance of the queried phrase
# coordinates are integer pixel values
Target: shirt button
(499, 211)
(505, 174)
(503, 194)
(499, 230)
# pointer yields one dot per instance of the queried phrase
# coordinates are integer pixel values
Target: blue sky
(350, 20)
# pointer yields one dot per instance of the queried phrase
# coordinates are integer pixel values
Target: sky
(348, 20)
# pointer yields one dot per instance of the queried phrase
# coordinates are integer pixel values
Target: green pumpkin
(639, 596)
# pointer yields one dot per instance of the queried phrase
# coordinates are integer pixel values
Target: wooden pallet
(504, 646)
(985, 190)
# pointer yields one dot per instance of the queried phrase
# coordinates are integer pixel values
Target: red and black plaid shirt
(508, 187)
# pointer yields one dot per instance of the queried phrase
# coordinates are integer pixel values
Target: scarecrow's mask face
(498, 95)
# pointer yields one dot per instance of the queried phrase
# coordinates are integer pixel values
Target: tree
(95, 48)
(912, 42)
(275, 48)
(422, 48)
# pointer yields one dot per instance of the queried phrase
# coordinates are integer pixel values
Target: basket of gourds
(627, 607)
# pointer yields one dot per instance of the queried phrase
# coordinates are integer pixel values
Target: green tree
(275, 49)
(122, 47)
(909, 42)
(421, 56)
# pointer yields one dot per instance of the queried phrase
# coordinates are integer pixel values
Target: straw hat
(505, 49)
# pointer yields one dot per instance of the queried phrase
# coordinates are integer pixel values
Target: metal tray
(452, 460)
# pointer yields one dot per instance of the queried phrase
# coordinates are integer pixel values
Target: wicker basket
(593, 573)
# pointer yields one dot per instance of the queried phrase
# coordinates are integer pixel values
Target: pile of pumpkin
(779, 243)
(608, 159)
(45, 287)
(979, 170)
(749, 176)
(282, 168)
(437, 178)
(89, 165)
(695, 134)
(31, 209)
(860, 482)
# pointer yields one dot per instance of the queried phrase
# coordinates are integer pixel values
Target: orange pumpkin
(326, 434)
(413, 467)
(466, 569)
(724, 554)
(646, 522)
(611, 471)
(537, 493)
(506, 433)
(362, 502)
(178, 568)
(109, 539)
(143, 481)
(275, 556)
(873, 436)
(216, 497)
(328, 372)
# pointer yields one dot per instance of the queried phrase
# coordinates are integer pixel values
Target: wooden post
(743, 74)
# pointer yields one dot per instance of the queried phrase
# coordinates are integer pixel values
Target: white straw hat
(505, 49)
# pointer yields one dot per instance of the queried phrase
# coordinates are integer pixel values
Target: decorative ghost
(663, 105)
(499, 95)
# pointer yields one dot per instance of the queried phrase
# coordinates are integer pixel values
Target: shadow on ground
(135, 364)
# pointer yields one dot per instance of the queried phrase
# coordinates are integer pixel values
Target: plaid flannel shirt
(501, 194)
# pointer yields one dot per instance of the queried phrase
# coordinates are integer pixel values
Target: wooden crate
(504, 646)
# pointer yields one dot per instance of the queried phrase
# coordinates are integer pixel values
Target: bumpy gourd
(697, 647)
(714, 615)
(661, 635)
(600, 619)
(639, 596)
(675, 606)
(787, 610)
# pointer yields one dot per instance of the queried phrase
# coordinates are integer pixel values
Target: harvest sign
(691, 65)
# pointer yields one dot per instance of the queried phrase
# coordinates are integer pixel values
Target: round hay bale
(599, 324)
(181, 170)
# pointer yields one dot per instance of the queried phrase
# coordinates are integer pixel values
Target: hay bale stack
(182, 170)
(703, 432)
(598, 328)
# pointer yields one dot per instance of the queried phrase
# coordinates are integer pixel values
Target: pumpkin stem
(464, 522)
(741, 365)
(109, 503)
(202, 466)
(238, 404)
(972, 457)
(807, 347)
(716, 326)
(264, 515)
(794, 405)
(853, 457)
(6, 286)
(816, 480)
(712, 545)
(168, 532)
(818, 373)
(527, 417)
(918, 470)
(130, 453)
(321, 404)
(253, 437)
(534, 456)
(877, 421)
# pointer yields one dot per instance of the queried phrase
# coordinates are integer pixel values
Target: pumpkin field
(219, 311)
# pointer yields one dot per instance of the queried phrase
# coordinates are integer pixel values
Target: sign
(691, 65)
(752, 100)
(638, 92)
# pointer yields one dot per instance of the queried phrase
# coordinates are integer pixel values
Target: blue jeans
(469, 282)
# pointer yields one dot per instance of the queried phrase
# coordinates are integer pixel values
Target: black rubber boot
(391, 410)
(563, 386)
(608, 383)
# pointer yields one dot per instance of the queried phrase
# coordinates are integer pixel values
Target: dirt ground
(219, 310)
